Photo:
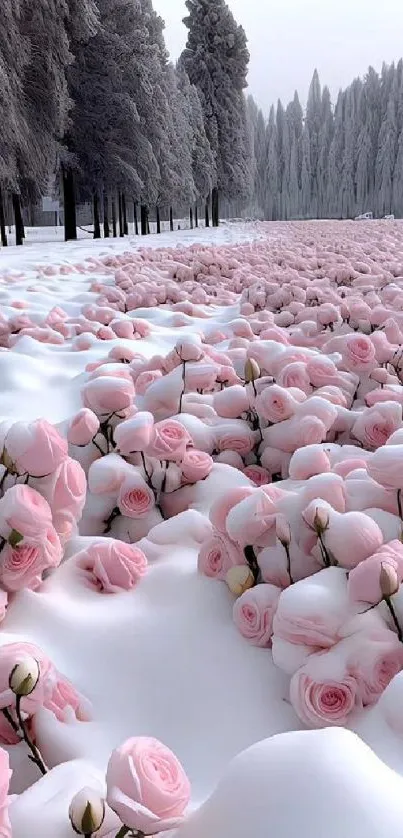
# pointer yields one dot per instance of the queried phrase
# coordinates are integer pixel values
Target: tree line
(331, 162)
(92, 106)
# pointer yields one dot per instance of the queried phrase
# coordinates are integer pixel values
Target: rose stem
(108, 523)
(3, 479)
(399, 503)
(122, 832)
(36, 757)
(287, 551)
(251, 559)
(184, 385)
(394, 618)
(149, 481)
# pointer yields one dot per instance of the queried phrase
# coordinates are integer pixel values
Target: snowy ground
(166, 660)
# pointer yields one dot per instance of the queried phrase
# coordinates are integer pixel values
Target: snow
(166, 659)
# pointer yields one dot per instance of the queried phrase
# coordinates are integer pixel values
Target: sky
(289, 38)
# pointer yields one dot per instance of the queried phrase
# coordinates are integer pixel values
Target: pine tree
(216, 60)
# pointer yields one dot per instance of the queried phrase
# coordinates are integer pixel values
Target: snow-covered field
(318, 310)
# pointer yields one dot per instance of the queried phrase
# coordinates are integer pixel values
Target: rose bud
(252, 371)
(239, 579)
(283, 530)
(321, 521)
(388, 581)
(24, 677)
(87, 812)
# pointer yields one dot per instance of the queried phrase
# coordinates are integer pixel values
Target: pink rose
(23, 509)
(147, 786)
(83, 427)
(35, 448)
(231, 402)
(64, 695)
(376, 657)
(188, 349)
(169, 441)
(352, 537)
(321, 701)
(254, 611)
(253, 520)
(134, 434)
(70, 489)
(275, 404)
(145, 379)
(106, 475)
(136, 499)
(375, 425)
(312, 612)
(258, 475)
(236, 436)
(200, 377)
(221, 508)
(386, 466)
(217, 555)
(364, 580)
(113, 566)
(5, 776)
(108, 395)
(358, 353)
(196, 465)
(22, 566)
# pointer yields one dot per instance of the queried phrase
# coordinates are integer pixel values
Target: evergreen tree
(216, 60)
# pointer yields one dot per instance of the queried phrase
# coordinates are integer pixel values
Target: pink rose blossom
(253, 614)
(275, 404)
(386, 466)
(5, 776)
(258, 475)
(375, 658)
(23, 566)
(106, 475)
(145, 379)
(358, 353)
(70, 489)
(221, 508)
(235, 437)
(108, 395)
(189, 349)
(134, 434)
(113, 566)
(64, 695)
(23, 509)
(83, 427)
(169, 441)
(136, 498)
(322, 702)
(231, 402)
(364, 579)
(218, 555)
(196, 465)
(36, 448)
(147, 786)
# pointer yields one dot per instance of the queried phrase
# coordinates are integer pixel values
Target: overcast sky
(289, 38)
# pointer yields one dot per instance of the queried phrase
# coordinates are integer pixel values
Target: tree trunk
(196, 216)
(124, 213)
(215, 207)
(121, 228)
(148, 224)
(171, 219)
(19, 225)
(2, 221)
(106, 217)
(191, 218)
(158, 219)
(70, 218)
(144, 220)
(206, 214)
(97, 225)
(114, 226)
(136, 224)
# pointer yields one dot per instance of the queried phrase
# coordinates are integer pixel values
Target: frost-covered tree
(202, 155)
(324, 142)
(386, 157)
(258, 142)
(216, 60)
(272, 174)
(14, 139)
